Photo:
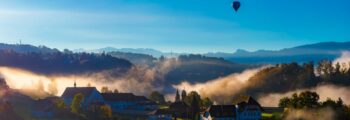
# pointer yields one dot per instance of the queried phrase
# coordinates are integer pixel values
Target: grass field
(272, 116)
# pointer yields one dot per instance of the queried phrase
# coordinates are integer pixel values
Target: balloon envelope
(236, 5)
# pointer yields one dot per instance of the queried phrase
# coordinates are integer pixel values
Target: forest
(62, 62)
(282, 78)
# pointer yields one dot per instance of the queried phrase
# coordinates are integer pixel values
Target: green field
(272, 116)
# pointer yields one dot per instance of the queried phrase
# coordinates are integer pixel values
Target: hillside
(135, 58)
(198, 68)
(61, 62)
(24, 48)
(194, 68)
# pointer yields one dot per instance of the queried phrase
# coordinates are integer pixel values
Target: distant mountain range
(147, 51)
(304, 53)
(300, 54)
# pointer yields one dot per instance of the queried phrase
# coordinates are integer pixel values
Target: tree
(183, 95)
(116, 91)
(60, 104)
(177, 97)
(340, 102)
(162, 58)
(284, 102)
(195, 107)
(106, 111)
(307, 75)
(329, 103)
(309, 99)
(305, 99)
(325, 70)
(105, 89)
(206, 102)
(191, 96)
(3, 84)
(157, 97)
(77, 102)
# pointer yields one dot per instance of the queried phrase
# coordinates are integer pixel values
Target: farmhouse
(128, 101)
(91, 95)
(221, 112)
(244, 108)
(120, 103)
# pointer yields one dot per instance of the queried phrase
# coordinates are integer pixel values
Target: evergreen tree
(183, 95)
(195, 108)
(157, 97)
(177, 97)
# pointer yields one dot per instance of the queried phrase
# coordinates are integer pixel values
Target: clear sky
(196, 26)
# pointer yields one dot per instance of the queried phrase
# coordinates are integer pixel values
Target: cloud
(325, 91)
(140, 80)
(221, 90)
(343, 60)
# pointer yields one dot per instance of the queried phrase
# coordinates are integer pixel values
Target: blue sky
(196, 26)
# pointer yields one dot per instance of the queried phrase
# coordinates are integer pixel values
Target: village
(88, 102)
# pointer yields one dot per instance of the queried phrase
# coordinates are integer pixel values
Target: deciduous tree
(77, 102)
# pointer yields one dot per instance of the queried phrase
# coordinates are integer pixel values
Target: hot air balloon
(236, 5)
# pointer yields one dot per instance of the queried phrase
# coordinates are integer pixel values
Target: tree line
(282, 78)
(65, 62)
(308, 100)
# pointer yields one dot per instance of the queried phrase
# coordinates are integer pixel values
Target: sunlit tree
(77, 102)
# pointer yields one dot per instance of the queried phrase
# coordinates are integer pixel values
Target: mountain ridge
(300, 54)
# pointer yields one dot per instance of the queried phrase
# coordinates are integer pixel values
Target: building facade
(91, 96)
(245, 108)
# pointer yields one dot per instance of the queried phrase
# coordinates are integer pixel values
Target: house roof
(219, 111)
(243, 101)
(179, 106)
(70, 92)
(147, 103)
(123, 97)
(46, 104)
(163, 112)
(273, 109)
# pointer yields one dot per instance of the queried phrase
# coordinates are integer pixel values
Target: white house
(248, 108)
(245, 108)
